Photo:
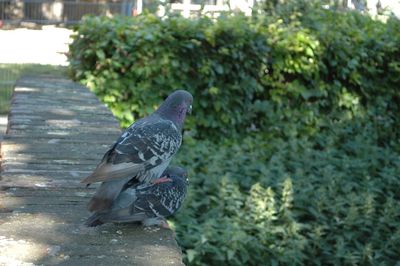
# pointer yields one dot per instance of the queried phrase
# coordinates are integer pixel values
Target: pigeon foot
(162, 180)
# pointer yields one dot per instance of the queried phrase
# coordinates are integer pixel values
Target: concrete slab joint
(57, 133)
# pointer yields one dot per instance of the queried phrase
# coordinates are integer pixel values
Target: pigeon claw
(161, 180)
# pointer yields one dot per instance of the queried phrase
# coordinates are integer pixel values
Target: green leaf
(100, 54)
(191, 254)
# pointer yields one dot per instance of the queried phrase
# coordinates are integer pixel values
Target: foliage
(293, 148)
(292, 202)
(240, 70)
(135, 62)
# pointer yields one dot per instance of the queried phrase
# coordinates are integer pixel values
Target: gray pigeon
(142, 152)
(149, 203)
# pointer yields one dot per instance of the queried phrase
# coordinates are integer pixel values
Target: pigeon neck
(176, 117)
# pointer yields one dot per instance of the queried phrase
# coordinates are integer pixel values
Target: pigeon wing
(157, 200)
(142, 147)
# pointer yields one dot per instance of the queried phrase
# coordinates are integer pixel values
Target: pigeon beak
(189, 111)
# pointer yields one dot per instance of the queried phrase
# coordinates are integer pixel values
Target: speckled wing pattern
(161, 200)
(144, 201)
(143, 151)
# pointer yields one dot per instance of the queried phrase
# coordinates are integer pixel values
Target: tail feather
(118, 216)
(99, 204)
(94, 220)
(106, 194)
(123, 216)
(108, 172)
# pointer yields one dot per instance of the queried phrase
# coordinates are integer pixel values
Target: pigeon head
(176, 106)
(176, 171)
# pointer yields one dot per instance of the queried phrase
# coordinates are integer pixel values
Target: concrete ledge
(57, 133)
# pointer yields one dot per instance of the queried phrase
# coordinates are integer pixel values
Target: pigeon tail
(99, 204)
(94, 220)
(106, 194)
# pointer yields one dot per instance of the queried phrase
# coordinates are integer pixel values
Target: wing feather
(142, 147)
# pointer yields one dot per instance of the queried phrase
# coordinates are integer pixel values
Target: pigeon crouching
(142, 152)
(148, 203)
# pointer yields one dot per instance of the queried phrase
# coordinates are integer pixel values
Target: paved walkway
(58, 132)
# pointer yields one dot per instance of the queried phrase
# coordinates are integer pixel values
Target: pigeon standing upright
(142, 152)
(149, 203)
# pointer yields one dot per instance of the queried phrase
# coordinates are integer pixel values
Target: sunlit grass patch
(9, 73)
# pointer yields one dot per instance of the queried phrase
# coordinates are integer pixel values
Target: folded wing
(143, 152)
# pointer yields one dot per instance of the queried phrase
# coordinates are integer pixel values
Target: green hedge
(293, 146)
(243, 74)
(133, 63)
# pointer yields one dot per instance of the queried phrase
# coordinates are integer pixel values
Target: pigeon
(148, 203)
(142, 152)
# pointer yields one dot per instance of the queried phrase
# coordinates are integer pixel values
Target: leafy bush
(332, 200)
(131, 63)
(293, 147)
(244, 74)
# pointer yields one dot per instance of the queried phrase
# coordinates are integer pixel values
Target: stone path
(57, 133)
